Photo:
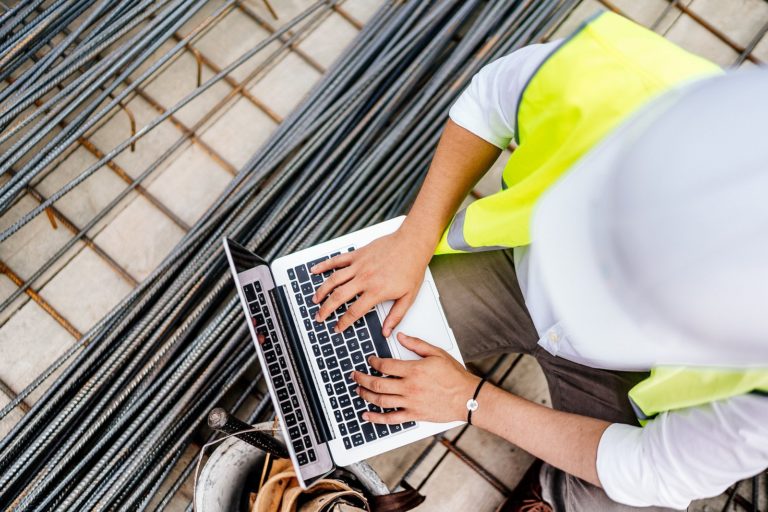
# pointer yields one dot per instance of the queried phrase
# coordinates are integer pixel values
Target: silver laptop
(307, 365)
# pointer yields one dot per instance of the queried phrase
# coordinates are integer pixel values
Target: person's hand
(435, 388)
(389, 268)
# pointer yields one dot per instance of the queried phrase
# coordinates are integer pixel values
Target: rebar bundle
(135, 390)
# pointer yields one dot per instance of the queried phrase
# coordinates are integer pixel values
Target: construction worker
(640, 286)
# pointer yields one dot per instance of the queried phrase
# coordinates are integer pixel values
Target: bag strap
(397, 501)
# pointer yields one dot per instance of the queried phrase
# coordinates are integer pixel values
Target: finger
(382, 400)
(398, 311)
(342, 260)
(358, 308)
(378, 385)
(389, 366)
(261, 338)
(388, 418)
(418, 346)
(337, 279)
(340, 295)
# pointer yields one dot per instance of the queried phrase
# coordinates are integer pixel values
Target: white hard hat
(655, 244)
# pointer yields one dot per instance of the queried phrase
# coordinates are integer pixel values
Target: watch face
(472, 404)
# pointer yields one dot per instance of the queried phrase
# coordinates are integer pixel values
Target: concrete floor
(136, 235)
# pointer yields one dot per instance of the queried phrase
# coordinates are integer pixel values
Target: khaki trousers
(487, 313)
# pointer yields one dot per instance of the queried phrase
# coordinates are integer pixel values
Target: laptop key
(357, 440)
(353, 345)
(331, 362)
(270, 356)
(342, 429)
(303, 311)
(250, 295)
(379, 341)
(257, 285)
(369, 432)
(312, 337)
(359, 403)
(342, 352)
(324, 375)
(255, 310)
(303, 429)
(302, 274)
(307, 324)
(337, 340)
(293, 432)
(316, 350)
(286, 407)
(340, 388)
(382, 430)
(278, 381)
(329, 389)
(347, 443)
(301, 458)
(282, 394)
(295, 286)
(345, 401)
(409, 424)
(338, 416)
(357, 358)
(290, 420)
(346, 366)
(298, 445)
(311, 455)
(367, 346)
(295, 402)
(336, 375)
(307, 289)
(323, 337)
(321, 364)
(291, 274)
(362, 334)
(361, 368)
(395, 428)
(299, 415)
(317, 279)
(348, 413)
(274, 369)
(353, 427)
(328, 352)
(334, 402)
(349, 332)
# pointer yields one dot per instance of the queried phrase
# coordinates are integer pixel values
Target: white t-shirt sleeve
(685, 455)
(488, 106)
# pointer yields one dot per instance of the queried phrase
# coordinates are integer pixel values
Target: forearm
(566, 441)
(460, 160)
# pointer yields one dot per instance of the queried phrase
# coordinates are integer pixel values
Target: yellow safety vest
(592, 82)
(595, 79)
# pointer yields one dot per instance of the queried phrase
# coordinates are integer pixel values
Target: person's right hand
(389, 268)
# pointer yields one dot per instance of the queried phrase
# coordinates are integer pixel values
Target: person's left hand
(435, 388)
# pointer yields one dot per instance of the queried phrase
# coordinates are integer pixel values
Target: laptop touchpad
(423, 320)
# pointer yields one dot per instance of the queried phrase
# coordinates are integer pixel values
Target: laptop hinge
(307, 386)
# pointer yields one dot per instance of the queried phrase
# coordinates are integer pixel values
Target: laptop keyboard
(338, 354)
(277, 365)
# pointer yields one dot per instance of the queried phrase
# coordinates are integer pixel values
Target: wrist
(465, 395)
(423, 240)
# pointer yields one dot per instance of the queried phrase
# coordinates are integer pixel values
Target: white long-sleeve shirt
(679, 456)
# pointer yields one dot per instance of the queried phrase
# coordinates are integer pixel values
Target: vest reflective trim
(585, 88)
(455, 236)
